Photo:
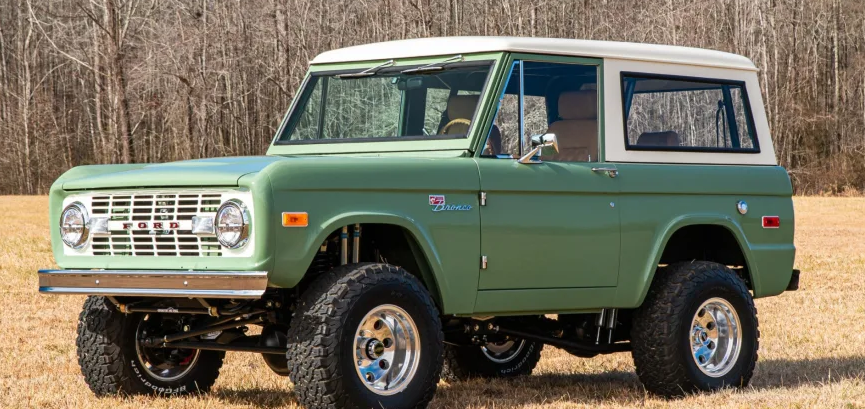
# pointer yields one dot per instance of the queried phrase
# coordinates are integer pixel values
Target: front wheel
(502, 359)
(365, 335)
(696, 331)
(114, 362)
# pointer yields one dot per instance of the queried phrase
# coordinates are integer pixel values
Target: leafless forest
(113, 81)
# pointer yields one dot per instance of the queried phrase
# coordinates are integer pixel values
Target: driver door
(550, 229)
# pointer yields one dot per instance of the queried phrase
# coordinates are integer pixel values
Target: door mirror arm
(539, 142)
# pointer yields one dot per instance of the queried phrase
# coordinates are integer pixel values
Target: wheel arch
(684, 237)
(424, 261)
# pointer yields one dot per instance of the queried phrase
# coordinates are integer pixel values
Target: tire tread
(103, 361)
(657, 323)
(314, 333)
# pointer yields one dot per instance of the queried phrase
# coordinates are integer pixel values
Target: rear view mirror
(410, 83)
(545, 144)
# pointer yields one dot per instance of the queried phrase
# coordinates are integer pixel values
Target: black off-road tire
(110, 364)
(466, 362)
(660, 332)
(321, 336)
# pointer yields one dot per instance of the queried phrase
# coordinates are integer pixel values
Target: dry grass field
(812, 351)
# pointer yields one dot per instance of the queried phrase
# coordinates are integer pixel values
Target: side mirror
(545, 144)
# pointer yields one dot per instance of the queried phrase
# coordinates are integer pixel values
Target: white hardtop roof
(448, 46)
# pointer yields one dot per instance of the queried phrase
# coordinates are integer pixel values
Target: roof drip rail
(369, 72)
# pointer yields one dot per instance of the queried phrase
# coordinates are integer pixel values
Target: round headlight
(74, 225)
(232, 224)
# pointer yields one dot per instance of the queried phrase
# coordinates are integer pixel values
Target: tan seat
(460, 107)
(666, 138)
(577, 130)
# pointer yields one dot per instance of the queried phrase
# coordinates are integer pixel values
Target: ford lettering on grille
(155, 223)
(150, 225)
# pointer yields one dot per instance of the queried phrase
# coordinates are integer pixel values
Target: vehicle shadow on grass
(624, 387)
(791, 373)
(257, 397)
(595, 388)
(548, 388)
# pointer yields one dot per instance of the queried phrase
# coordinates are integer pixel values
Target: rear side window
(670, 113)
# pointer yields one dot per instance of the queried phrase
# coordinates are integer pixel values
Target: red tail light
(771, 222)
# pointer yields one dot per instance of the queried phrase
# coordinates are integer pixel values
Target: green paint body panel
(559, 237)
(339, 191)
(548, 225)
(201, 172)
(656, 200)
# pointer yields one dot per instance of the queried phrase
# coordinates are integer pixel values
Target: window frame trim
(749, 116)
(291, 121)
(519, 57)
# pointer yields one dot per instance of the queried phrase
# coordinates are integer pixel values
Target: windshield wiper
(369, 72)
(435, 66)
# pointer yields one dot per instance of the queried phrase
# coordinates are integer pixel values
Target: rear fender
(633, 299)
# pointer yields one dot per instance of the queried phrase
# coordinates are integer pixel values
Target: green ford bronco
(442, 209)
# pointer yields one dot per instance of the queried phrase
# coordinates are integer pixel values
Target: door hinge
(483, 198)
(483, 262)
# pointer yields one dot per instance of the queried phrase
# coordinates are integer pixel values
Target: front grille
(153, 206)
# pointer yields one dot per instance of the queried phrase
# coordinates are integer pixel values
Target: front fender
(340, 191)
(418, 232)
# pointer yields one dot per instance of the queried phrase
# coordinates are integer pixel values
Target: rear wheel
(113, 361)
(696, 331)
(365, 335)
(504, 358)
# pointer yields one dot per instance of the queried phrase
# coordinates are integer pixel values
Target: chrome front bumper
(155, 283)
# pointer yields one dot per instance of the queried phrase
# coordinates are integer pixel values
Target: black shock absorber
(324, 260)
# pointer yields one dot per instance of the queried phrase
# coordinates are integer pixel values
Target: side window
(554, 98)
(674, 113)
(535, 117)
(504, 137)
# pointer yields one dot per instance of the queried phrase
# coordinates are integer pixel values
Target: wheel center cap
(374, 349)
(703, 336)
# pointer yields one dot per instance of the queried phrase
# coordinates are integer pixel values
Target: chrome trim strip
(158, 273)
(144, 292)
(155, 283)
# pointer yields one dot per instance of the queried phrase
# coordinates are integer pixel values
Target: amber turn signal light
(295, 219)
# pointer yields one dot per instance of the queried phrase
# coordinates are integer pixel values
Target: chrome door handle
(612, 172)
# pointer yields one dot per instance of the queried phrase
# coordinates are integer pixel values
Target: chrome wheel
(716, 337)
(502, 352)
(163, 364)
(387, 349)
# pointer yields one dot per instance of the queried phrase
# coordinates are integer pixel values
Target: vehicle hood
(199, 172)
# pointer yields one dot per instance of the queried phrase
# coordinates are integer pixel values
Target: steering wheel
(457, 121)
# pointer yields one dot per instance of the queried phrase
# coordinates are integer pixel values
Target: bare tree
(108, 81)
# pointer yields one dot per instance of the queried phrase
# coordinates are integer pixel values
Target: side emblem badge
(438, 203)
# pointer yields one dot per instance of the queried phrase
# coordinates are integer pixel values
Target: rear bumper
(155, 283)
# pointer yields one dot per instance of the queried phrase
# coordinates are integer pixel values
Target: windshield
(389, 105)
